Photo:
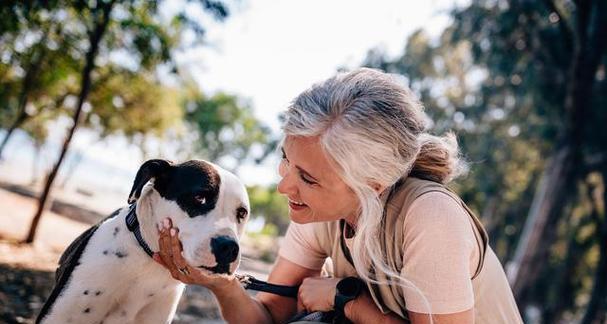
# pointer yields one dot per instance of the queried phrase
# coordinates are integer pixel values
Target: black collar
(133, 225)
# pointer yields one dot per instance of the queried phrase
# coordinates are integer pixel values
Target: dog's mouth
(219, 268)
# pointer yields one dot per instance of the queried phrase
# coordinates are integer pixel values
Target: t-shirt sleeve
(439, 245)
(302, 246)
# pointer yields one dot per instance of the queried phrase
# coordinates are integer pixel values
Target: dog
(107, 275)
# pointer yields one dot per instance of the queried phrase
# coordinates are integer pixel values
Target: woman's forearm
(364, 310)
(235, 304)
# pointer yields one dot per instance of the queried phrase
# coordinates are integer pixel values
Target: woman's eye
(241, 213)
(308, 181)
(284, 156)
(201, 199)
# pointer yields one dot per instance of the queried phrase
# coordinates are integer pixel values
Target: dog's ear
(148, 170)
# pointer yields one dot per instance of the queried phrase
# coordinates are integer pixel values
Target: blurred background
(89, 90)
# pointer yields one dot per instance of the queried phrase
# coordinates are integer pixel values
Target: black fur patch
(186, 183)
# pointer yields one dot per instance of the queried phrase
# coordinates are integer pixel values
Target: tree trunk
(95, 38)
(560, 174)
(549, 199)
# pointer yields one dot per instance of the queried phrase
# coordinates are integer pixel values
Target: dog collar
(132, 223)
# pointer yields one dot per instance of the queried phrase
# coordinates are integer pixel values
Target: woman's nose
(285, 185)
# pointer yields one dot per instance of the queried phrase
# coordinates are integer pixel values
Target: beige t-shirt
(440, 256)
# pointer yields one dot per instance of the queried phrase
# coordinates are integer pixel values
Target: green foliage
(225, 124)
(133, 104)
(272, 206)
(42, 47)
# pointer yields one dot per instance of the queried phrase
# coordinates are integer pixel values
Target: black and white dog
(107, 274)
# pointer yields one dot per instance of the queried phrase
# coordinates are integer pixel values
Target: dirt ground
(27, 271)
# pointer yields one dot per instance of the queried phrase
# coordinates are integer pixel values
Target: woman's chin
(306, 216)
(301, 216)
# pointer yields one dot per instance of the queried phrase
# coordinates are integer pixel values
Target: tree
(133, 104)
(130, 26)
(523, 84)
(225, 125)
(101, 18)
(37, 69)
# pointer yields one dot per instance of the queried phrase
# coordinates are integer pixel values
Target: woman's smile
(295, 205)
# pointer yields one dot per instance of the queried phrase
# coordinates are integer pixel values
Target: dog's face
(208, 205)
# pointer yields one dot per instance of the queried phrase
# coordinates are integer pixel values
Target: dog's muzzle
(225, 249)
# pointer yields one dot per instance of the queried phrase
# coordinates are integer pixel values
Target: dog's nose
(224, 248)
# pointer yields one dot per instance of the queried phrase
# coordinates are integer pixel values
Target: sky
(269, 51)
(266, 52)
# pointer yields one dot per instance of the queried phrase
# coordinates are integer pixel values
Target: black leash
(251, 283)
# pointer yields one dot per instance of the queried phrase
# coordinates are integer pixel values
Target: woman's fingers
(176, 249)
(170, 252)
(164, 242)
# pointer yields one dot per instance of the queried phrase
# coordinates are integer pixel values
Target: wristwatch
(346, 290)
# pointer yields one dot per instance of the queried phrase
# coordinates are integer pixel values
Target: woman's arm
(364, 310)
(465, 317)
(288, 273)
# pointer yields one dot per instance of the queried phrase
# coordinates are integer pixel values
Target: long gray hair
(374, 131)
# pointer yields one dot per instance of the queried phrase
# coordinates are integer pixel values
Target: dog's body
(106, 276)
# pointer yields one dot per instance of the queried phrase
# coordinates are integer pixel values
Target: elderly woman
(366, 188)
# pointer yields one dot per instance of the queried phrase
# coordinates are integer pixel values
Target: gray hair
(374, 130)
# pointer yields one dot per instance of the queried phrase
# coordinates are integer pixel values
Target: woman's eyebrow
(306, 173)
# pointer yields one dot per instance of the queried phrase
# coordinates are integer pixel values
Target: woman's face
(313, 187)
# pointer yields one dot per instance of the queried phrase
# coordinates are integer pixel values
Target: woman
(365, 185)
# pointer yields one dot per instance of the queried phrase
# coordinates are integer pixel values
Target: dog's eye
(241, 213)
(201, 199)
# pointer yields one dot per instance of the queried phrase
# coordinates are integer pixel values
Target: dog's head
(208, 205)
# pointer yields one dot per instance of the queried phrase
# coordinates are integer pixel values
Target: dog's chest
(116, 282)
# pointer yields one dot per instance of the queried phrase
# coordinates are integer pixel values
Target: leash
(251, 283)
(247, 281)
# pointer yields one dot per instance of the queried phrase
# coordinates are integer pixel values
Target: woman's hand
(317, 294)
(170, 256)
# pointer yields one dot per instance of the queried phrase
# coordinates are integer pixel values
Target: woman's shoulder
(411, 191)
(422, 207)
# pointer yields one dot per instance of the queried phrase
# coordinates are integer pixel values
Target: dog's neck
(151, 210)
